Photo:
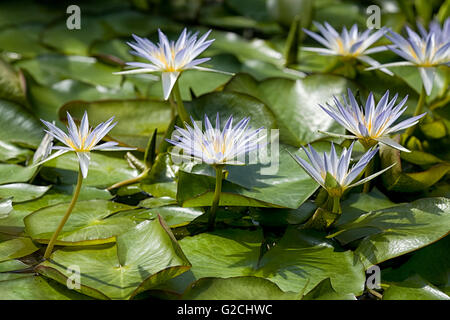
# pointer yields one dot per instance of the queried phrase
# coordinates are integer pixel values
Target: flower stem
(419, 110)
(368, 172)
(76, 193)
(180, 106)
(138, 178)
(336, 205)
(217, 191)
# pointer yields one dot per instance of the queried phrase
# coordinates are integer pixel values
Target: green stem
(76, 193)
(173, 106)
(368, 172)
(419, 110)
(180, 106)
(336, 205)
(136, 179)
(217, 191)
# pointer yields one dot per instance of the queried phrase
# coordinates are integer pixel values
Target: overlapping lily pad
(104, 170)
(142, 258)
(296, 102)
(400, 229)
(91, 222)
(301, 259)
(22, 192)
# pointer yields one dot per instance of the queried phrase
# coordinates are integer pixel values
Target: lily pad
(142, 258)
(16, 248)
(414, 288)
(51, 68)
(14, 224)
(18, 125)
(104, 170)
(400, 229)
(22, 192)
(14, 173)
(13, 154)
(89, 223)
(301, 259)
(237, 288)
(295, 103)
(34, 287)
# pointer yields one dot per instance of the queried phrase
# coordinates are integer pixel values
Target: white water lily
(216, 147)
(426, 51)
(350, 44)
(373, 123)
(169, 57)
(324, 166)
(81, 140)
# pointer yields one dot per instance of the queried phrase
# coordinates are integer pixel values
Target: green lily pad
(282, 217)
(295, 103)
(173, 215)
(104, 170)
(400, 229)
(231, 103)
(244, 50)
(76, 42)
(13, 154)
(5, 207)
(12, 265)
(47, 100)
(324, 291)
(142, 258)
(435, 270)
(51, 68)
(23, 40)
(414, 288)
(91, 222)
(34, 287)
(14, 224)
(16, 248)
(13, 14)
(22, 192)
(18, 125)
(237, 288)
(397, 180)
(10, 173)
(12, 83)
(301, 259)
(156, 202)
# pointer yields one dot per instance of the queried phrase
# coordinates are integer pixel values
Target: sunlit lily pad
(91, 222)
(16, 248)
(301, 259)
(142, 258)
(22, 192)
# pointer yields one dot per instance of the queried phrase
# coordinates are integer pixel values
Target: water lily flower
(169, 57)
(215, 146)
(350, 44)
(81, 140)
(218, 148)
(373, 123)
(333, 173)
(426, 51)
